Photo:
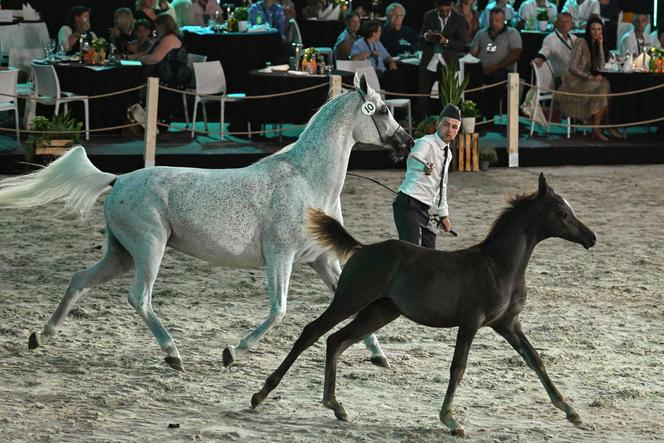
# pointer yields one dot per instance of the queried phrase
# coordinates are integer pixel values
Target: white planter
(468, 125)
(243, 26)
(543, 25)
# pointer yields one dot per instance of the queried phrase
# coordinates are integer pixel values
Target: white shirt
(581, 13)
(484, 17)
(528, 10)
(630, 43)
(422, 187)
(557, 50)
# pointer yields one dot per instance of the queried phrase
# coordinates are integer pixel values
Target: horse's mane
(515, 207)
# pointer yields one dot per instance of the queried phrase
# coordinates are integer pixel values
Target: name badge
(491, 47)
(368, 108)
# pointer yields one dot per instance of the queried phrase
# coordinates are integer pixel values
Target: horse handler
(425, 183)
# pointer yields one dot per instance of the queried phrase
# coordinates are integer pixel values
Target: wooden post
(335, 85)
(151, 123)
(467, 152)
(513, 119)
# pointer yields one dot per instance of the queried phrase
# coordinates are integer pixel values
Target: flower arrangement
(99, 44)
(542, 15)
(241, 14)
(310, 54)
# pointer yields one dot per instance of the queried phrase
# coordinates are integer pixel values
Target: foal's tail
(71, 179)
(331, 235)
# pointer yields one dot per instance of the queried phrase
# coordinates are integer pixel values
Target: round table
(295, 109)
(93, 80)
(239, 52)
(635, 107)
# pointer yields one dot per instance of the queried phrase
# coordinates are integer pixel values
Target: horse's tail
(71, 179)
(331, 235)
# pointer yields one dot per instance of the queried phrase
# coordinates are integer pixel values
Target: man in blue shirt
(370, 48)
(268, 12)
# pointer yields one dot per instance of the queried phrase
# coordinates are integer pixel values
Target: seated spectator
(166, 59)
(348, 36)
(145, 10)
(442, 39)
(505, 5)
(528, 11)
(196, 12)
(557, 46)
(78, 25)
(468, 10)
(268, 12)
(396, 37)
(581, 10)
(587, 59)
(370, 48)
(143, 40)
(123, 26)
(498, 48)
(636, 39)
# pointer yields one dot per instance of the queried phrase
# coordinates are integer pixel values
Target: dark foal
(480, 286)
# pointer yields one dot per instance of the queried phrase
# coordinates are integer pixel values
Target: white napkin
(29, 13)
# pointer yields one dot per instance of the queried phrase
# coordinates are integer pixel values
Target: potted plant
(54, 135)
(487, 155)
(469, 113)
(99, 46)
(542, 19)
(241, 15)
(450, 88)
(426, 127)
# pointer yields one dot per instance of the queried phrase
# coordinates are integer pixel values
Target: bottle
(85, 48)
(627, 65)
(321, 64)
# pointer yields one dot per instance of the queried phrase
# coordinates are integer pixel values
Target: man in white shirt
(635, 40)
(510, 16)
(528, 10)
(425, 183)
(557, 46)
(581, 10)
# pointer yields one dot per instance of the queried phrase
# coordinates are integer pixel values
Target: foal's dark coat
(480, 286)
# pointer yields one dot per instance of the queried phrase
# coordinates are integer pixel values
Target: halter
(364, 99)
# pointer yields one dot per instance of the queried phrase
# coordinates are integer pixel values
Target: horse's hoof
(458, 432)
(340, 413)
(34, 341)
(175, 363)
(380, 361)
(257, 399)
(574, 418)
(229, 356)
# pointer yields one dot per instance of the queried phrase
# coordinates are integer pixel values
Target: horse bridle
(373, 119)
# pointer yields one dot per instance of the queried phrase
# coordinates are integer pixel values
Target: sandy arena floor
(595, 316)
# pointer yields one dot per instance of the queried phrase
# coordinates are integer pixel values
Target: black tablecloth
(239, 52)
(106, 111)
(635, 107)
(295, 109)
(320, 33)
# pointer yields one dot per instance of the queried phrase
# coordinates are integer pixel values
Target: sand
(595, 316)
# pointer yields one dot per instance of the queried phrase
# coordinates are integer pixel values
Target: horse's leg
(278, 274)
(464, 339)
(515, 337)
(329, 272)
(370, 319)
(333, 315)
(147, 260)
(115, 262)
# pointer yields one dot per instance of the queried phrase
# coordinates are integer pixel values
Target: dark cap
(451, 111)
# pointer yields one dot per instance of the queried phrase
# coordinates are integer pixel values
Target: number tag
(368, 108)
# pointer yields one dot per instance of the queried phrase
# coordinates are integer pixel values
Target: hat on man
(450, 111)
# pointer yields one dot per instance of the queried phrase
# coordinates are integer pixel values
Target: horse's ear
(363, 86)
(543, 186)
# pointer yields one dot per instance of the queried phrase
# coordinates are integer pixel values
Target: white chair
(191, 87)
(48, 92)
(352, 65)
(295, 36)
(8, 100)
(542, 77)
(392, 103)
(211, 87)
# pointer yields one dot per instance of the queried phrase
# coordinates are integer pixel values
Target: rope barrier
(400, 94)
(110, 128)
(65, 99)
(580, 94)
(251, 97)
(621, 125)
(165, 125)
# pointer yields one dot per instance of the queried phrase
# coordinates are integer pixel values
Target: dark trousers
(425, 81)
(412, 219)
(489, 101)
